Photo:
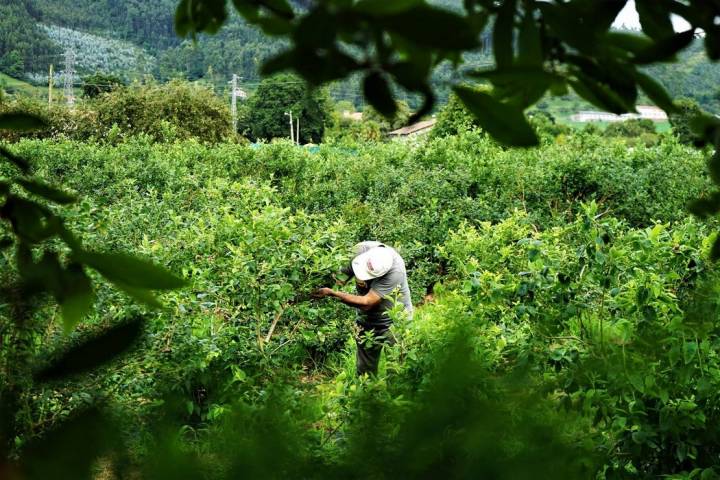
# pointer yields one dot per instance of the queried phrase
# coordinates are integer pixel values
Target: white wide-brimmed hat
(374, 263)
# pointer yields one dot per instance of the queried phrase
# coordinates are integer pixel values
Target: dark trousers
(370, 342)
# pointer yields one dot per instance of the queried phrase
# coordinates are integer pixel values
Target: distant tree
(630, 128)
(175, 110)
(263, 116)
(99, 83)
(12, 64)
(544, 124)
(453, 118)
(680, 120)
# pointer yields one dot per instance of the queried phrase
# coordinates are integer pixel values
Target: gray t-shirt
(392, 287)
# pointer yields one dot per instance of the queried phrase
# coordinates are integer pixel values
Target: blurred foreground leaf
(46, 191)
(130, 271)
(93, 352)
(505, 123)
(21, 122)
(70, 450)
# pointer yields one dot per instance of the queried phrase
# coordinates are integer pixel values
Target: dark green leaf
(599, 94)
(69, 238)
(71, 448)
(581, 22)
(705, 126)
(655, 92)
(315, 66)
(529, 43)
(94, 352)
(21, 122)
(140, 295)
(130, 271)
(280, 62)
(19, 162)
(384, 7)
(42, 276)
(378, 94)
(598, 15)
(426, 107)
(630, 42)
(655, 18)
(274, 25)
(520, 86)
(615, 77)
(316, 30)
(706, 207)
(518, 75)
(280, 8)
(30, 221)
(715, 250)
(503, 34)
(412, 76)
(664, 50)
(712, 42)
(449, 31)
(75, 296)
(504, 123)
(565, 25)
(714, 167)
(46, 191)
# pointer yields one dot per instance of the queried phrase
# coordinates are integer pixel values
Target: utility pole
(51, 83)
(292, 134)
(297, 130)
(233, 104)
(69, 77)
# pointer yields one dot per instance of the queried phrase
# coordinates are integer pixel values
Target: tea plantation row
(566, 327)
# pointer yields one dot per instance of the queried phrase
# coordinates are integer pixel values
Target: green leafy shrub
(192, 111)
(630, 128)
(98, 83)
(264, 114)
(498, 243)
(174, 111)
(454, 118)
(610, 336)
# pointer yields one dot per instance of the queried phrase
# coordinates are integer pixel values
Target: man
(381, 281)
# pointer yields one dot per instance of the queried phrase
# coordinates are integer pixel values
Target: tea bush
(566, 304)
(164, 113)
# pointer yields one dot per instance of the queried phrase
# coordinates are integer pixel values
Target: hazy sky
(629, 18)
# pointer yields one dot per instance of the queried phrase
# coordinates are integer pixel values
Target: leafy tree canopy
(264, 115)
(99, 83)
(681, 119)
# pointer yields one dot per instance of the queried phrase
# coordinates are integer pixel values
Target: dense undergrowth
(566, 328)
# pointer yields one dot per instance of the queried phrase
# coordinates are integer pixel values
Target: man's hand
(323, 292)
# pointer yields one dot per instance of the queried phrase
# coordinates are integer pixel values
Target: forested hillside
(566, 271)
(35, 33)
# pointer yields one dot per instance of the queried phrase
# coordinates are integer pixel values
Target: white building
(646, 112)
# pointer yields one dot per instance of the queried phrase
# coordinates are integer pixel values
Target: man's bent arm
(363, 302)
